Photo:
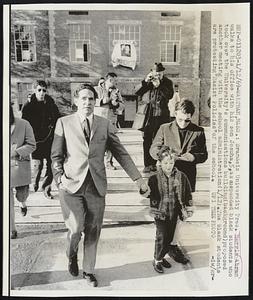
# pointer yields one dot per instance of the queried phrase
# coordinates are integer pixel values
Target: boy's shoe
(90, 279)
(158, 266)
(165, 263)
(23, 211)
(175, 253)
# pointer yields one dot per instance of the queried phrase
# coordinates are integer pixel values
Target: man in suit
(78, 150)
(189, 142)
(160, 91)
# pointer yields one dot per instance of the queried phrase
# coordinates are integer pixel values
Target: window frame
(83, 41)
(174, 42)
(34, 41)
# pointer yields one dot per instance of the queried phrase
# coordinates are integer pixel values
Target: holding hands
(144, 189)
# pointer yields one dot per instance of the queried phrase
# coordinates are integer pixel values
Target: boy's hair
(186, 106)
(111, 74)
(85, 86)
(165, 150)
(39, 82)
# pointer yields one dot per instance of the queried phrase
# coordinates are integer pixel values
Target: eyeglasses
(44, 90)
(186, 121)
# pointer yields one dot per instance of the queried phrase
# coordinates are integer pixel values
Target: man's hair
(39, 82)
(85, 86)
(186, 106)
(111, 74)
(165, 150)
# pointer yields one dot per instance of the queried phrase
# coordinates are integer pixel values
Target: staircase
(123, 203)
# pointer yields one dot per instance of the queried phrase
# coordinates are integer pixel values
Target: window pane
(18, 52)
(79, 45)
(25, 45)
(175, 53)
(72, 51)
(82, 32)
(85, 52)
(168, 34)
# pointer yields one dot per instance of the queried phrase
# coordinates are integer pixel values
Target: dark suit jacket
(72, 157)
(194, 143)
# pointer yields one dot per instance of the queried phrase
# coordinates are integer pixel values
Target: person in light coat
(22, 145)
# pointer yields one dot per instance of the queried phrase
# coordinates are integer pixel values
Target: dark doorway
(127, 118)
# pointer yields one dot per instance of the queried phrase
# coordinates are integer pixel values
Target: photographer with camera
(110, 99)
(160, 91)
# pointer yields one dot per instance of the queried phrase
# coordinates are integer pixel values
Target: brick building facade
(68, 47)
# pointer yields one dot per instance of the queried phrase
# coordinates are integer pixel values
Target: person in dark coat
(185, 138)
(42, 113)
(160, 91)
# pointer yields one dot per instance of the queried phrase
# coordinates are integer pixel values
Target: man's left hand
(143, 187)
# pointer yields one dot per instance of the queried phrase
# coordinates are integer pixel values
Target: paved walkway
(124, 262)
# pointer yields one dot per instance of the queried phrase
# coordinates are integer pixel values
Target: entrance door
(127, 119)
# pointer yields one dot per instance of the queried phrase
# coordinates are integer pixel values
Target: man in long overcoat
(42, 113)
(160, 91)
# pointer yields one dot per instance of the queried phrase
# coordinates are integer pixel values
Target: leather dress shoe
(73, 266)
(165, 263)
(47, 194)
(158, 266)
(14, 234)
(91, 279)
(176, 253)
(23, 211)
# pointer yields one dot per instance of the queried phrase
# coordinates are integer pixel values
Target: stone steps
(123, 202)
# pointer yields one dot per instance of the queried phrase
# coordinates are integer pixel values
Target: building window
(170, 43)
(79, 43)
(24, 39)
(125, 32)
(25, 90)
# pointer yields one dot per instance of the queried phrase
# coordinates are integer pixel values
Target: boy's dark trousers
(165, 230)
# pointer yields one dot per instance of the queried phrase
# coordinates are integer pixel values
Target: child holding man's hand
(170, 199)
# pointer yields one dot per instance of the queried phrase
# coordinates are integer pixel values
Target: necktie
(87, 130)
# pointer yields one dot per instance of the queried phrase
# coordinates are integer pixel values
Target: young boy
(170, 198)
